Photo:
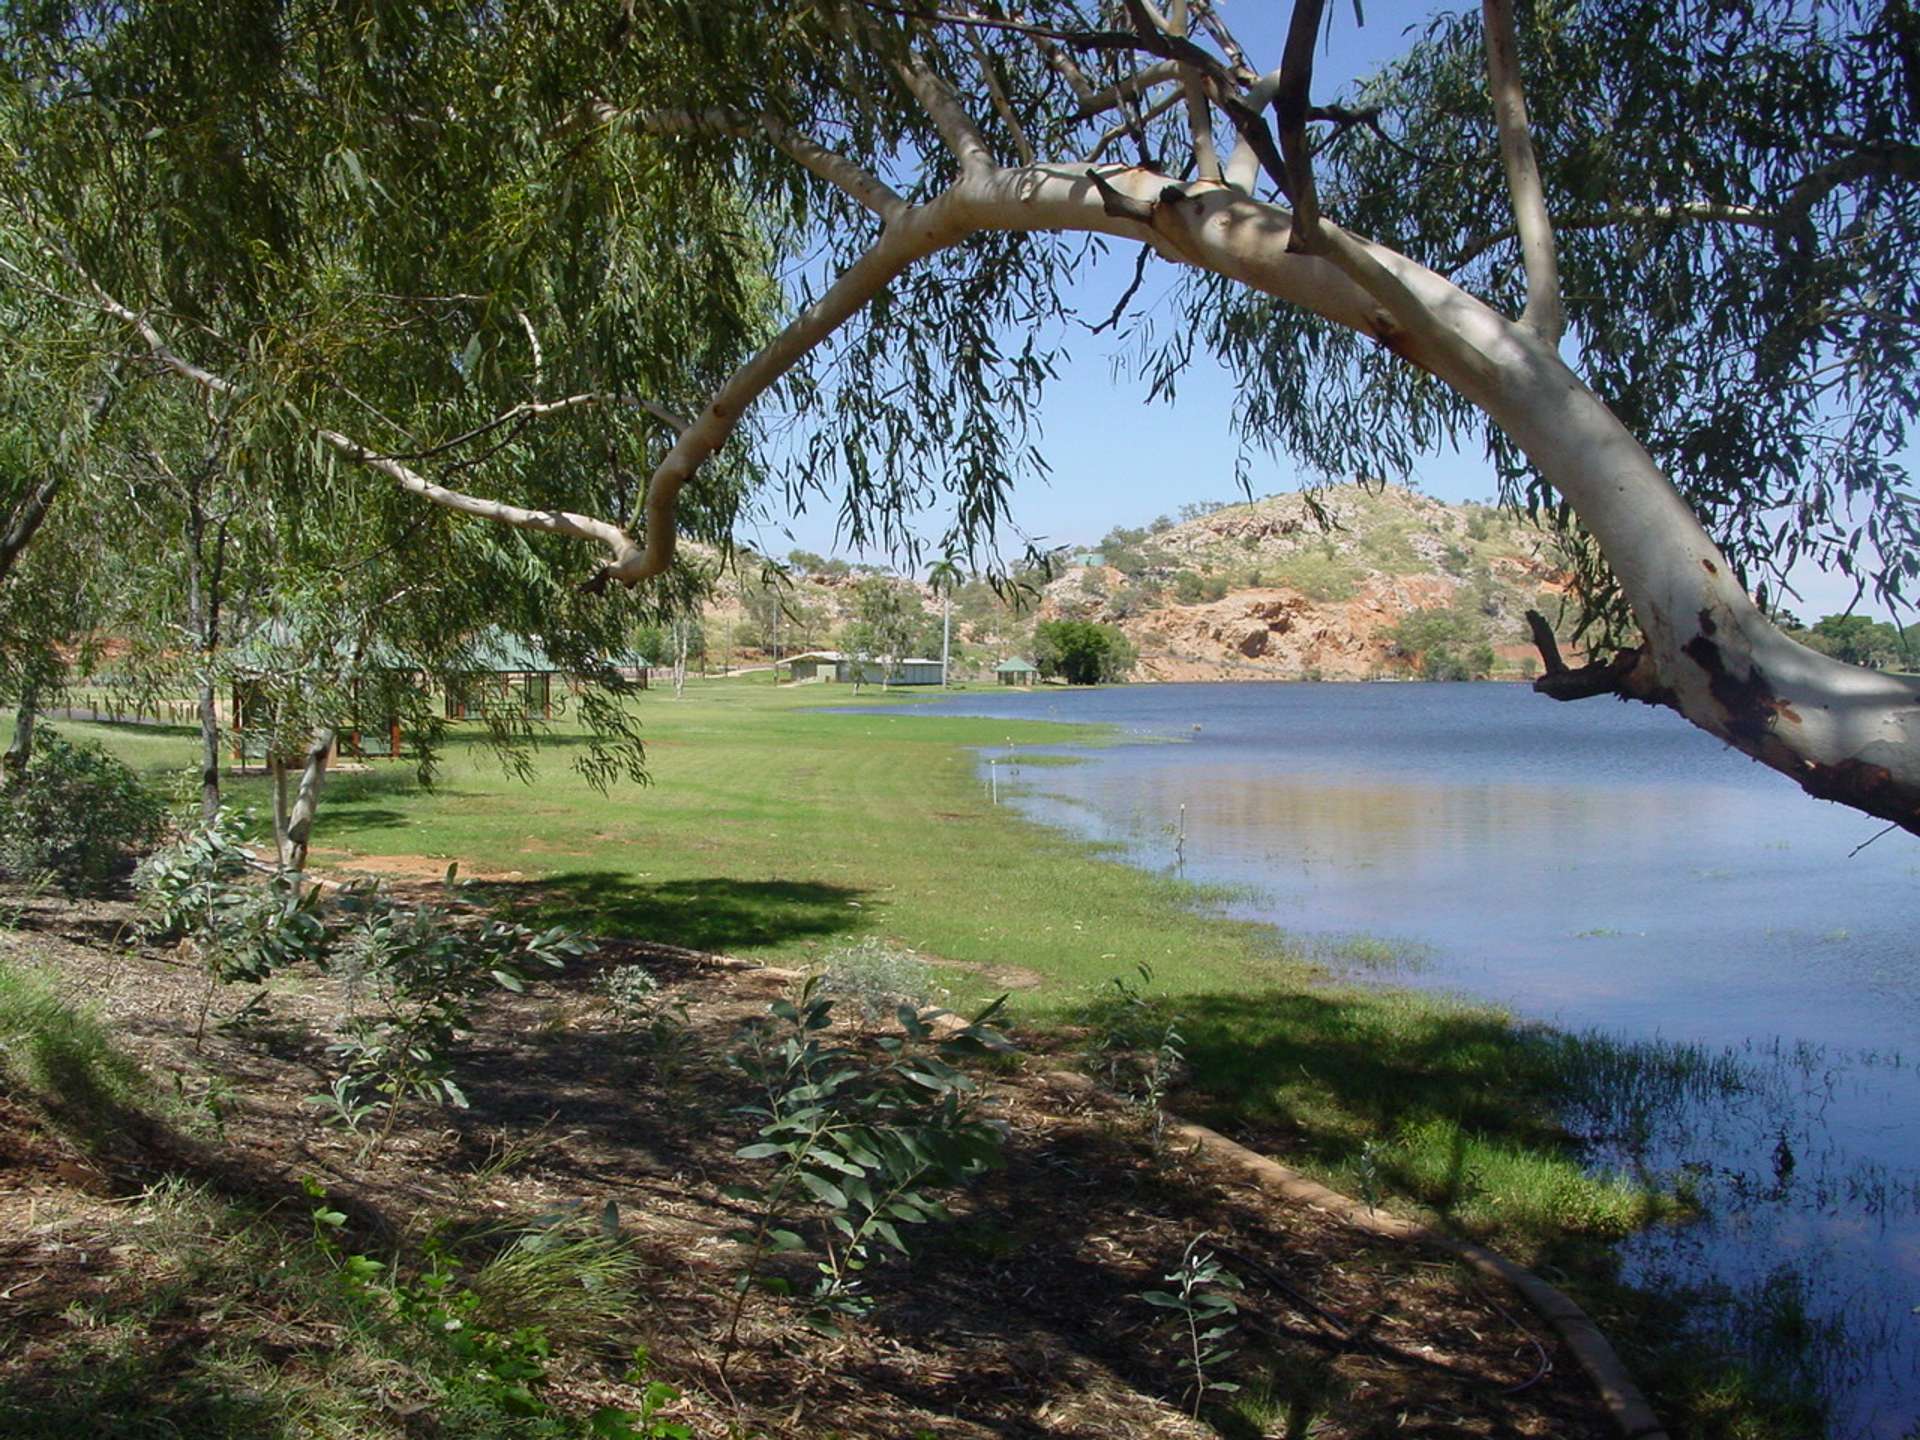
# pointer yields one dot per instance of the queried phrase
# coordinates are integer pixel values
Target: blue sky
(1118, 461)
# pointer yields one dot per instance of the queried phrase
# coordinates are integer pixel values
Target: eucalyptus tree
(361, 243)
(1711, 232)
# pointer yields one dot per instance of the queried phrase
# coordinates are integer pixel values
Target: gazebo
(371, 726)
(1017, 671)
(508, 666)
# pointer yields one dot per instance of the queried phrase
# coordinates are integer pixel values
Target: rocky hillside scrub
(1359, 582)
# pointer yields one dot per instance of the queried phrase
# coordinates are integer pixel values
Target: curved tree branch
(1703, 212)
(1543, 309)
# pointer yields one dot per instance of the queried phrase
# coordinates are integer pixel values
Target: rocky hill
(1382, 582)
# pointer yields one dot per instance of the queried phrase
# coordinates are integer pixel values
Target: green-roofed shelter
(1017, 672)
(508, 668)
(372, 724)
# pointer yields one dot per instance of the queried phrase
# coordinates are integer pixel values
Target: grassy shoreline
(780, 830)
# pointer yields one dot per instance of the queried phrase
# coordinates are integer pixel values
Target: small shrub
(202, 889)
(631, 992)
(423, 971)
(860, 1144)
(878, 977)
(1138, 1048)
(75, 815)
(1200, 1311)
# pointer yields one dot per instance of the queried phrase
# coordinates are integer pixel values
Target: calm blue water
(1596, 865)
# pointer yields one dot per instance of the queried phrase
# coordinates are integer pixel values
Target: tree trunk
(277, 769)
(306, 801)
(946, 634)
(293, 822)
(209, 708)
(13, 766)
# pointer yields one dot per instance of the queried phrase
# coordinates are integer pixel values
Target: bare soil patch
(1019, 1318)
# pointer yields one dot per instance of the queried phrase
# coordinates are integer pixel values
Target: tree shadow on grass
(717, 913)
(156, 1391)
(1423, 1098)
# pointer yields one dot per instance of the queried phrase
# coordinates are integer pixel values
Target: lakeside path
(779, 830)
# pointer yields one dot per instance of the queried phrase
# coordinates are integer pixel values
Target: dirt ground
(1020, 1317)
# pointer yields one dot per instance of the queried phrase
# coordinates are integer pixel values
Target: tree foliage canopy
(1082, 652)
(593, 272)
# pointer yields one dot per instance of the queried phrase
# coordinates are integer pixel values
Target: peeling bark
(293, 819)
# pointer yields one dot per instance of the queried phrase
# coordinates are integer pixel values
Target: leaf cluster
(860, 1141)
(1201, 1305)
(420, 972)
(201, 888)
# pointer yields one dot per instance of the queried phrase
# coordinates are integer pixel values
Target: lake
(1598, 866)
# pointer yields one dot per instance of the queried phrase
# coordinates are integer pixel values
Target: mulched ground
(1019, 1318)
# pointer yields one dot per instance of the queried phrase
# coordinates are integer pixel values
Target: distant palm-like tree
(944, 577)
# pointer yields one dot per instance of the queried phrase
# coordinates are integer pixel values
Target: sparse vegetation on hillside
(1359, 558)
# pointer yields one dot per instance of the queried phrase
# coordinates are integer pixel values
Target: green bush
(1449, 643)
(423, 972)
(201, 889)
(75, 815)
(1081, 652)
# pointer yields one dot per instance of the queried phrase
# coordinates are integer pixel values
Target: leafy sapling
(860, 1142)
(425, 971)
(203, 889)
(1201, 1311)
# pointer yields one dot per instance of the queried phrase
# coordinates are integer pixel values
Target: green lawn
(778, 829)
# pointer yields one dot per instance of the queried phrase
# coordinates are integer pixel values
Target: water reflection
(1605, 867)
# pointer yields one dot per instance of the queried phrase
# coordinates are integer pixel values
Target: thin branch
(533, 340)
(1867, 160)
(1543, 313)
(557, 522)
(843, 174)
(1131, 126)
(1210, 21)
(1001, 104)
(943, 107)
(553, 522)
(1133, 87)
(1291, 100)
(1206, 159)
(157, 346)
(1126, 296)
(1694, 212)
(528, 410)
(26, 521)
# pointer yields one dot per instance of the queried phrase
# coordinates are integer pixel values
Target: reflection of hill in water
(1599, 866)
(1417, 828)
